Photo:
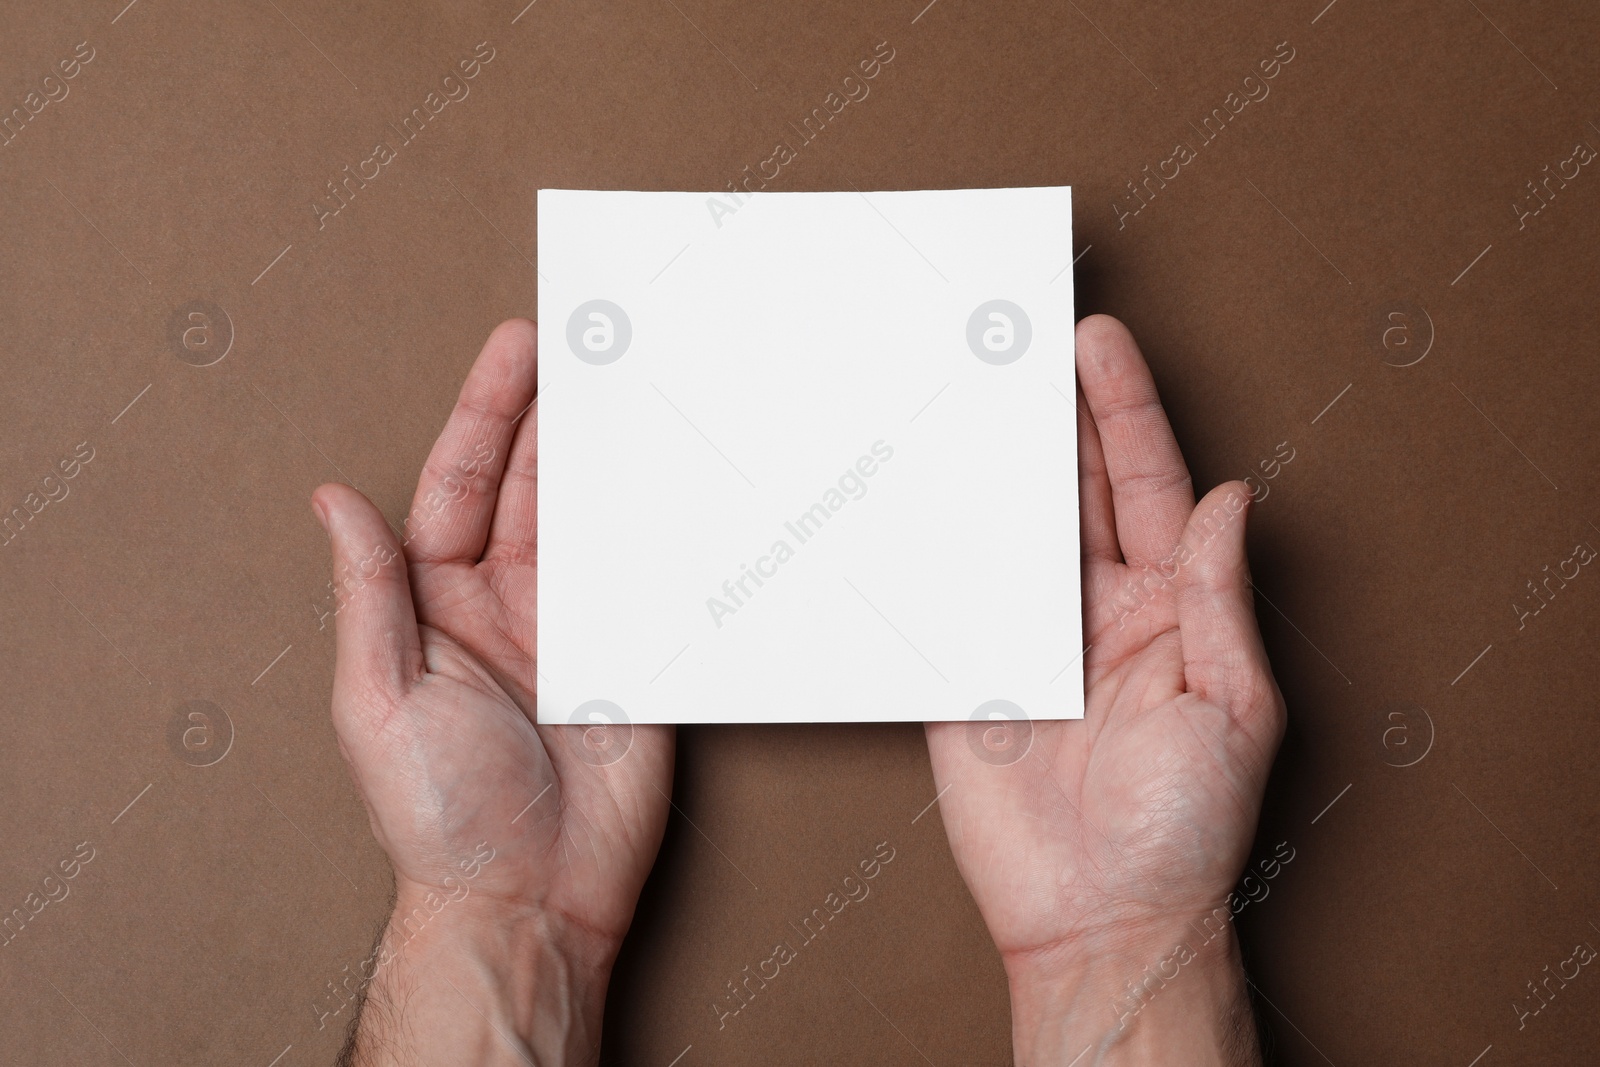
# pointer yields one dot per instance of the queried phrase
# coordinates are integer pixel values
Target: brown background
(1387, 157)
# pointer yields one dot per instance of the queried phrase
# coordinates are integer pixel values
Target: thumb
(1224, 661)
(378, 646)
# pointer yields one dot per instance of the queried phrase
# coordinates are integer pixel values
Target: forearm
(480, 985)
(1173, 996)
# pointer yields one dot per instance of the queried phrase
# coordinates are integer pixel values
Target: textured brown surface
(1388, 156)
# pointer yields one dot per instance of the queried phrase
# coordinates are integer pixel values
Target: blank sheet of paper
(807, 457)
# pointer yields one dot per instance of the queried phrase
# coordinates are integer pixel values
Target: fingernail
(322, 515)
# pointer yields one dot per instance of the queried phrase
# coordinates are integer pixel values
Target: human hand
(1107, 845)
(519, 850)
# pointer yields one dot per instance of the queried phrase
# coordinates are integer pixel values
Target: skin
(433, 703)
(1106, 844)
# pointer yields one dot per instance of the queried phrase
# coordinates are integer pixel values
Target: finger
(1150, 486)
(455, 500)
(378, 645)
(516, 513)
(1224, 661)
(1096, 518)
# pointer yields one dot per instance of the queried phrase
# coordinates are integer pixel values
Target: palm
(1147, 806)
(435, 700)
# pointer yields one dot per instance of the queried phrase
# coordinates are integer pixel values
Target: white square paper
(807, 457)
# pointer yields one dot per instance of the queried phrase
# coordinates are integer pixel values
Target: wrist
(474, 979)
(1164, 991)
